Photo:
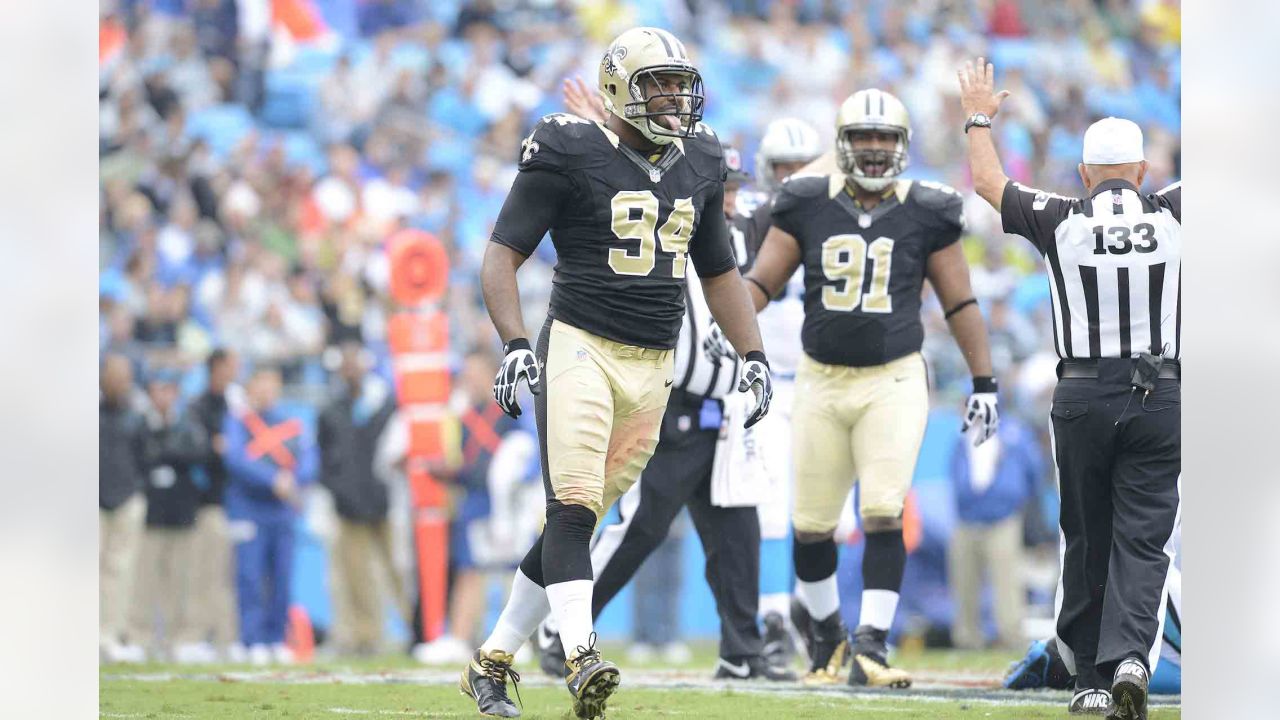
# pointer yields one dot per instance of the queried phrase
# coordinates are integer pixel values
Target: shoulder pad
(705, 153)
(934, 195)
(939, 200)
(558, 141)
(799, 190)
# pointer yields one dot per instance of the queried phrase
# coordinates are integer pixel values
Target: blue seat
(221, 126)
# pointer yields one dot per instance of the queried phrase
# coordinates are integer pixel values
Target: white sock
(524, 610)
(878, 608)
(776, 602)
(571, 607)
(820, 598)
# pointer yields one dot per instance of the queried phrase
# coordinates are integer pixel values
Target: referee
(679, 474)
(1114, 259)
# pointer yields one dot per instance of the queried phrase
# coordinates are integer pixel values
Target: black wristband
(958, 308)
(985, 384)
(516, 344)
(757, 356)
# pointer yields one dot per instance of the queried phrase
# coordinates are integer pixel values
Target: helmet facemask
(872, 169)
(653, 109)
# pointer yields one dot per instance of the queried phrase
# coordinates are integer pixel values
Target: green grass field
(396, 687)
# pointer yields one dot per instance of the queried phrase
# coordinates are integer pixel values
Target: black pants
(1119, 463)
(679, 474)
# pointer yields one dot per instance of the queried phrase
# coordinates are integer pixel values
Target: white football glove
(715, 345)
(519, 364)
(755, 376)
(982, 410)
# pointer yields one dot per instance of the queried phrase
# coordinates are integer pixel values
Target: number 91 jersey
(627, 225)
(864, 270)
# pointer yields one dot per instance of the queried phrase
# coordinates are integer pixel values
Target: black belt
(1088, 369)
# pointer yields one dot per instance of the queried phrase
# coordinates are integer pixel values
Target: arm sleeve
(530, 208)
(710, 249)
(1033, 214)
(1171, 197)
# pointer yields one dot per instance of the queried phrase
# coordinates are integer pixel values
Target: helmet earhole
(613, 89)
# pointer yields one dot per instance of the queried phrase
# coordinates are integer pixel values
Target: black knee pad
(884, 560)
(814, 561)
(566, 547)
(531, 565)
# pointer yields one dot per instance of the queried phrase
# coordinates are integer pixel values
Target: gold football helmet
(647, 79)
(872, 111)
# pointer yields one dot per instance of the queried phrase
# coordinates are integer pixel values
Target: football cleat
(828, 651)
(1041, 667)
(870, 661)
(485, 681)
(1129, 691)
(550, 651)
(591, 680)
(755, 667)
(779, 647)
(1091, 701)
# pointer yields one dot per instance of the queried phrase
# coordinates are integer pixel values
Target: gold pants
(604, 407)
(863, 423)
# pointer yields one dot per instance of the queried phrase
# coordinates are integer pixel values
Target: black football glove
(982, 410)
(519, 364)
(755, 376)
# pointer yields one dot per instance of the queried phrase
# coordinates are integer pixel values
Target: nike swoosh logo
(668, 383)
(742, 671)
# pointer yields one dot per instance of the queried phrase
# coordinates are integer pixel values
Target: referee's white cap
(1113, 141)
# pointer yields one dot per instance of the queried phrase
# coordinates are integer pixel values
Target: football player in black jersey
(867, 240)
(627, 202)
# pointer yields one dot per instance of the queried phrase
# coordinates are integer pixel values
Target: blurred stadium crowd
(255, 155)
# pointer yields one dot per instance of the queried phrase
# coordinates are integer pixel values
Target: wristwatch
(977, 120)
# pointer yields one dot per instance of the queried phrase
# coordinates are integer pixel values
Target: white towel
(738, 473)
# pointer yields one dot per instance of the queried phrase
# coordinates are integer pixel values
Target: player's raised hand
(519, 364)
(977, 88)
(756, 377)
(582, 102)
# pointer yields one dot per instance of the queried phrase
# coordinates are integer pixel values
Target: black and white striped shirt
(1114, 261)
(695, 374)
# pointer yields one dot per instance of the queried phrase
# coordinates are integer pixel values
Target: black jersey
(863, 270)
(623, 225)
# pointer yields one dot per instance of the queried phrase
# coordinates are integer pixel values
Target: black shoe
(591, 680)
(871, 661)
(828, 650)
(756, 667)
(1129, 691)
(485, 681)
(550, 651)
(779, 647)
(803, 623)
(1091, 701)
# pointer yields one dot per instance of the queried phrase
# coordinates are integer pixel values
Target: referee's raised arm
(981, 103)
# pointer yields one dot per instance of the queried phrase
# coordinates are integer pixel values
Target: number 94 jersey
(626, 226)
(864, 270)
